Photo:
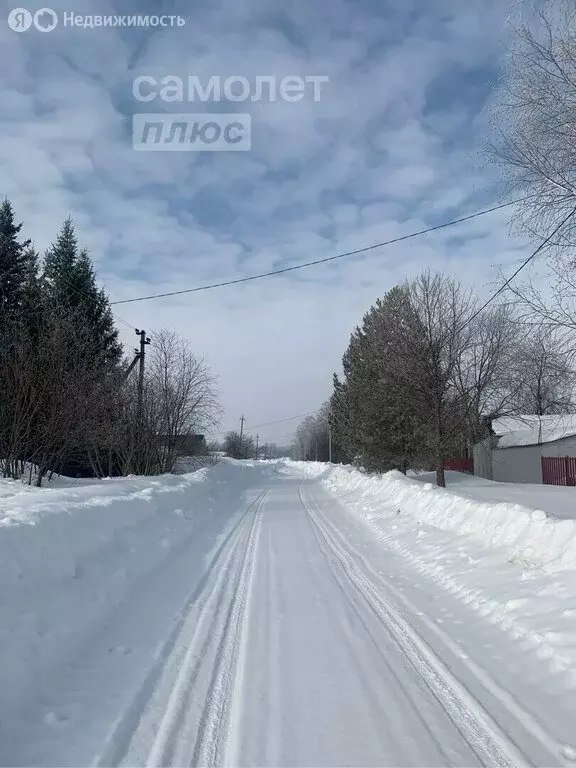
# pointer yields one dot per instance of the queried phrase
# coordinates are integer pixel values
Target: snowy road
(290, 646)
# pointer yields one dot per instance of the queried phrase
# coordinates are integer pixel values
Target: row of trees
(316, 441)
(242, 446)
(426, 373)
(66, 400)
(427, 370)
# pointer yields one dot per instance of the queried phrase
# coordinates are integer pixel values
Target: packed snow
(279, 613)
(512, 564)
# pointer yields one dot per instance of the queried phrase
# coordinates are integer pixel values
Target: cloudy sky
(393, 145)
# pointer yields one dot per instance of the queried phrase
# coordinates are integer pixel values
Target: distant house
(514, 452)
(185, 445)
(192, 445)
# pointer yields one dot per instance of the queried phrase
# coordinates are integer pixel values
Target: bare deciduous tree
(536, 117)
(434, 344)
(180, 399)
(546, 376)
(536, 148)
(486, 371)
(237, 447)
(423, 373)
(183, 390)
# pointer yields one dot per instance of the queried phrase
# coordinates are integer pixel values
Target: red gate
(459, 465)
(559, 470)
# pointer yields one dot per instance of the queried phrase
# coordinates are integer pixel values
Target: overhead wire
(325, 260)
(522, 266)
(486, 304)
(84, 294)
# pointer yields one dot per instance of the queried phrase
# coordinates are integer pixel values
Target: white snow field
(282, 614)
(553, 500)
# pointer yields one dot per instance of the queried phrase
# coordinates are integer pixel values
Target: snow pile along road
(554, 500)
(72, 558)
(528, 535)
(513, 565)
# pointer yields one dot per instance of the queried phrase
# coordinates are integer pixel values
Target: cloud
(391, 146)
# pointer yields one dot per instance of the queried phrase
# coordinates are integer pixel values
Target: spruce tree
(33, 306)
(59, 269)
(72, 290)
(372, 412)
(13, 265)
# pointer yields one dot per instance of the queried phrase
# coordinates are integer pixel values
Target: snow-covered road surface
(280, 632)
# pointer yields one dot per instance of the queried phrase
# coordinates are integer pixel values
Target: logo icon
(45, 20)
(19, 20)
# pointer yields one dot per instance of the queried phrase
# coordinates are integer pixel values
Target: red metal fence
(459, 465)
(559, 470)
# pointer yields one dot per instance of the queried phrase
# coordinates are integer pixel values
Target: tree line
(429, 367)
(68, 402)
(243, 446)
(428, 370)
(426, 373)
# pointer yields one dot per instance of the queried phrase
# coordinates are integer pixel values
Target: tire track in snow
(551, 750)
(211, 673)
(190, 638)
(480, 731)
(273, 738)
(220, 728)
(371, 685)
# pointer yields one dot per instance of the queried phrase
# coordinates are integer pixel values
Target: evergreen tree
(372, 415)
(33, 305)
(60, 274)
(412, 383)
(72, 289)
(14, 266)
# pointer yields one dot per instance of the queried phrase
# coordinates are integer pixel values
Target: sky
(393, 143)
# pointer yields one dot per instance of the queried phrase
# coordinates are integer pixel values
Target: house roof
(514, 431)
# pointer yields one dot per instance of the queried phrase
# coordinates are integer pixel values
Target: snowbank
(554, 500)
(70, 557)
(48, 534)
(528, 535)
(512, 565)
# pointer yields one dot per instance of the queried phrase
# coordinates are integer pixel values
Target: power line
(471, 319)
(281, 421)
(84, 295)
(273, 423)
(520, 268)
(325, 260)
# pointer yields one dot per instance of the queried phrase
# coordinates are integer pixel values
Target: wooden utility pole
(144, 341)
(242, 420)
(329, 442)
(257, 439)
